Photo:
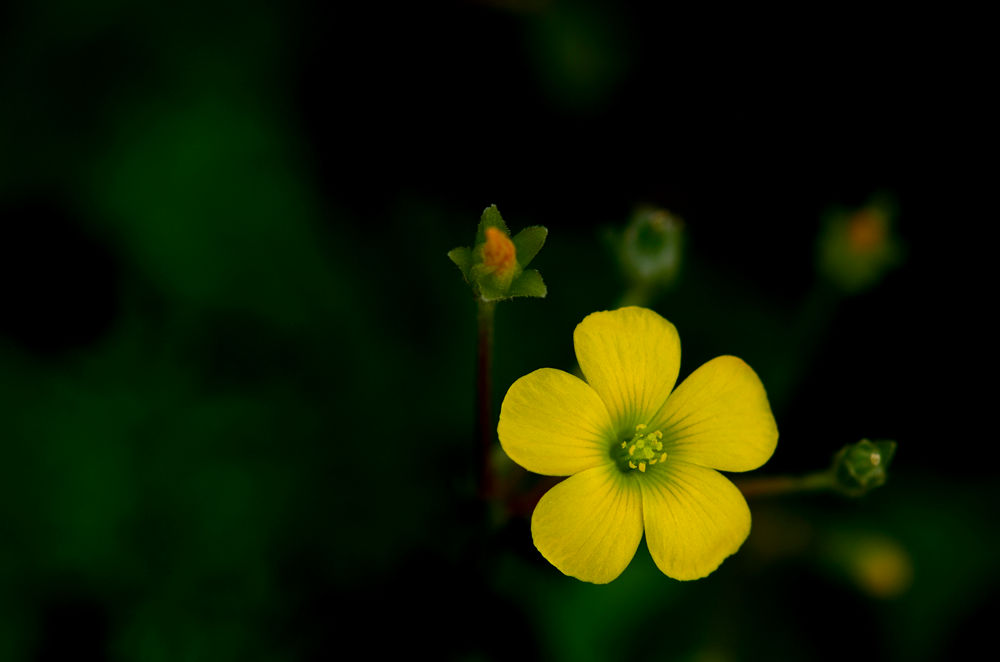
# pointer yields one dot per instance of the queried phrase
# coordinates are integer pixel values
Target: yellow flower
(640, 455)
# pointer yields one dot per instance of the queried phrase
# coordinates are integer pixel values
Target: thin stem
(484, 395)
(775, 485)
(639, 293)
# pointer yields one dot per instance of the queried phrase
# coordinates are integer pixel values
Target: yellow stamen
(643, 450)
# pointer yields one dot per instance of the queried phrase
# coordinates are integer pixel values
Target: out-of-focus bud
(861, 467)
(875, 563)
(858, 247)
(650, 250)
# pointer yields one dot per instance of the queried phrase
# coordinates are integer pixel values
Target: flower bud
(499, 253)
(495, 265)
(861, 467)
(650, 250)
(874, 562)
(857, 248)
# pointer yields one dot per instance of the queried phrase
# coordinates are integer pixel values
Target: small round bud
(861, 467)
(650, 248)
(857, 248)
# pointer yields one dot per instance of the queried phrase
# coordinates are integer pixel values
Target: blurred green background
(236, 366)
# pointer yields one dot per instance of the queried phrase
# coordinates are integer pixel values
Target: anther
(643, 450)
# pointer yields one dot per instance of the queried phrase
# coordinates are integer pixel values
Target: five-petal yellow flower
(640, 455)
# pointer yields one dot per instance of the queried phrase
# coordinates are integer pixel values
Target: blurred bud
(874, 562)
(650, 249)
(861, 467)
(495, 265)
(857, 248)
(882, 568)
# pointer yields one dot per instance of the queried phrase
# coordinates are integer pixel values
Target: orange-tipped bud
(499, 253)
(867, 230)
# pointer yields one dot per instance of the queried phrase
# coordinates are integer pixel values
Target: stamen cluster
(642, 450)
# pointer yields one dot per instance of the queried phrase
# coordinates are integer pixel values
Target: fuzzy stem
(484, 395)
(776, 485)
(639, 293)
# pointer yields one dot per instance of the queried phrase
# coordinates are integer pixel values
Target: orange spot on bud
(499, 253)
(867, 230)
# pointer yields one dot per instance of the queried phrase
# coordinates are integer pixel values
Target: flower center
(643, 450)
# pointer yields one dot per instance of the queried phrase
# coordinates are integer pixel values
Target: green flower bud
(495, 266)
(858, 247)
(861, 467)
(651, 247)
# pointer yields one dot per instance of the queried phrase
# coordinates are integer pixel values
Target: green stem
(775, 485)
(484, 395)
(639, 293)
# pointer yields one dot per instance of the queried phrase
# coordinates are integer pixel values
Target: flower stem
(637, 294)
(775, 485)
(484, 395)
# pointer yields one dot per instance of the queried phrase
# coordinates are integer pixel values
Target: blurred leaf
(204, 198)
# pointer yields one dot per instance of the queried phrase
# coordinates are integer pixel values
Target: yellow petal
(631, 357)
(719, 417)
(590, 525)
(552, 423)
(694, 518)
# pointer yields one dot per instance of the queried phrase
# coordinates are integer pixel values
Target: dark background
(236, 366)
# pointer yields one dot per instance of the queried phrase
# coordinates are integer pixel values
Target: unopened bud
(861, 467)
(494, 267)
(651, 247)
(857, 248)
(499, 254)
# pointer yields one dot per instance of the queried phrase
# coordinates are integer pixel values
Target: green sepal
(528, 242)
(462, 257)
(529, 284)
(491, 286)
(490, 218)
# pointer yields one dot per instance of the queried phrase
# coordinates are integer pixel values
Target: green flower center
(643, 450)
